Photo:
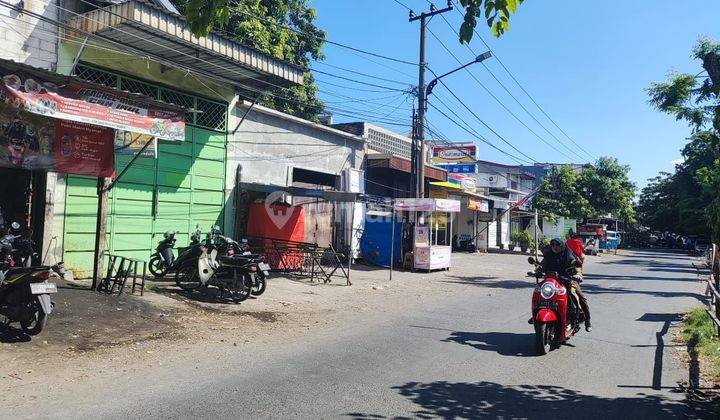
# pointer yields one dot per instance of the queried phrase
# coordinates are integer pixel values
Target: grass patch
(699, 332)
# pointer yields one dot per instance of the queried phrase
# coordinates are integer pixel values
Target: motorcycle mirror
(531, 260)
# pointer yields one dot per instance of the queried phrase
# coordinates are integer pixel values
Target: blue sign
(460, 168)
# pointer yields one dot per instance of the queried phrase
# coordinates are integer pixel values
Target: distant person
(575, 244)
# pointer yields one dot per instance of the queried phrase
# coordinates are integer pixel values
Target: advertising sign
(84, 149)
(97, 106)
(422, 236)
(478, 205)
(454, 154)
(32, 142)
(130, 144)
(459, 168)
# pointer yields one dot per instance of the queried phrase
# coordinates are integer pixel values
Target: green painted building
(186, 184)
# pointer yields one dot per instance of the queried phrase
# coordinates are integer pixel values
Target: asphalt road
(467, 352)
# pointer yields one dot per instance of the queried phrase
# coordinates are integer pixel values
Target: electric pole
(419, 169)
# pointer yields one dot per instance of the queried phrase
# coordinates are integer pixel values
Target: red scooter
(555, 317)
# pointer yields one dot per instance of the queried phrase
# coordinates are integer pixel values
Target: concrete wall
(26, 39)
(269, 144)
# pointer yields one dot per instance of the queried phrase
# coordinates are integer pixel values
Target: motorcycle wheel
(188, 278)
(36, 323)
(240, 290)
(259, 284)
(543, 338)
(156, 267)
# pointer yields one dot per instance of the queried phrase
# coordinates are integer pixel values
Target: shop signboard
(454, 154)
(478, 205)
(91, 105)
(33, 142)
(459, 168)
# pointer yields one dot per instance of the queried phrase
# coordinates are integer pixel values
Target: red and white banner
(30, 141)
(91, 105)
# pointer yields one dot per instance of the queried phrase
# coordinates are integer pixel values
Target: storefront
(57, 126)
(280, 159)
(474, 208)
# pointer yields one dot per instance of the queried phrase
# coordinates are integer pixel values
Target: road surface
(464, 352)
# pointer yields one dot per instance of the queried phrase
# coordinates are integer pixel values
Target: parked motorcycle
(556, 311)
(256, 267)
(25, 291)
(217, 266)
(163, 261)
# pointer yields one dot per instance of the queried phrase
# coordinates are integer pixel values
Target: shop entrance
(22, 200)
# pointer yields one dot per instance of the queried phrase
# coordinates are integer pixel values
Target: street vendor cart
(433, 228)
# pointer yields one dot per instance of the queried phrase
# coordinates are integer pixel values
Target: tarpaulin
(33, 142)
(90, 104)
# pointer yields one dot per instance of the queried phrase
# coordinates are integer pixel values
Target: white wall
(269, 144)
(559, 229)
(28, 40)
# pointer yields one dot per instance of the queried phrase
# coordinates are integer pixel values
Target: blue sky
(586, 63)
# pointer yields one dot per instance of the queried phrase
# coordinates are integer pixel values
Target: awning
(326, 195)
(167, 37)
(476, 202)
(69, 98)
(63, 124)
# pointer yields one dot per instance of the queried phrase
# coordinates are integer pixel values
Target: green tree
(696, 99)
(496, 14)
(560, 195)
(283, 29)
(598, 190)
(205, 15)
(608, 189)
(678, 202)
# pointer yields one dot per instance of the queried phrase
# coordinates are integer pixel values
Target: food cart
(433, 228)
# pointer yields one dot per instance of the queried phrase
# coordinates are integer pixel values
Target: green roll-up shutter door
(183, 187)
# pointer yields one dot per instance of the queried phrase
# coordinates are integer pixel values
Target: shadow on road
(450, 400)
(503, 343)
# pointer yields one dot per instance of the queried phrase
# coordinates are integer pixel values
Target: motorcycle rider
(576, 246)
(559, 258)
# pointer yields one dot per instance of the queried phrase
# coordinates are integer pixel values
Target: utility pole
(419, 169)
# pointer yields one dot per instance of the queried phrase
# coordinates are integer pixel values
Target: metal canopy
(146, 27)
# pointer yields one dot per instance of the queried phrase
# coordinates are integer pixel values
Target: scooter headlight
(547, 290)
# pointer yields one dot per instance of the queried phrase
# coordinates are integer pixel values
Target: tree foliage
(691, 193)
(602, 189)
(560, 195)
(496, 14)
(678, 202)
(693, 98)
(283, 29)
(608, 189)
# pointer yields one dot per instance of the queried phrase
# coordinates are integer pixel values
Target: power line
(476, 135)
(523, 89)
(363, 74)
(64, 26)
(491, 94)
(337, 44)
(357, 81)
(504, 140)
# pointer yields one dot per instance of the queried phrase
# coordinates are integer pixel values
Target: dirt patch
(84, 320)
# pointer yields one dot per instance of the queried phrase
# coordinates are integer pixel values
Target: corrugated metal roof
(154, 30)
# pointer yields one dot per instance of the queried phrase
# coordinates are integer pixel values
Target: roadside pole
(100, 230)
(536, 235)
(392, 241)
